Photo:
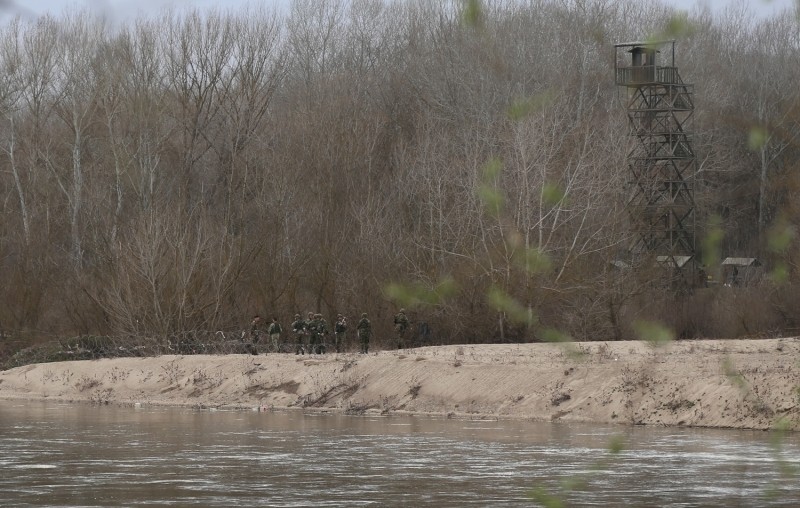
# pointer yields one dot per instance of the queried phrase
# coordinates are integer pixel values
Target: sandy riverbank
(708, 383)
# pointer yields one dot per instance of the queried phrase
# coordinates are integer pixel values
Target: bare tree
(78, 41)
(198, 50)
(10, 92)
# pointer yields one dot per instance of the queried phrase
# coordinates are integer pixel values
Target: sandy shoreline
(746, 384)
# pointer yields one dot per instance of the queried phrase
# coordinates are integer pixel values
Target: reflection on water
(76, 455)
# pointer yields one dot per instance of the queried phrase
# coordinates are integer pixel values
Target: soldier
(322, 330)
(313, 334)
(339, 331)
(311, 326)
(400, 327)
(364, 330)
(274, 330)
(299, 329)
(255, 332)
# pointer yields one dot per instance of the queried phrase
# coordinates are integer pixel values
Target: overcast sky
(124, 9)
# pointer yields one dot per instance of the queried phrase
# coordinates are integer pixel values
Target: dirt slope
(737, 384)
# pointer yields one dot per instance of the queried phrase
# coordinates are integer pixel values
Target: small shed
(740, 271)
(620, 264)
(673, 261)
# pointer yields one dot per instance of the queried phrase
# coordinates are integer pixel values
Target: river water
(80, 455)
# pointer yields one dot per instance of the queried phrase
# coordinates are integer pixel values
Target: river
(81, 455)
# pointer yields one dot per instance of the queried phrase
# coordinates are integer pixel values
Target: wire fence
(90, 347)
(219, 342)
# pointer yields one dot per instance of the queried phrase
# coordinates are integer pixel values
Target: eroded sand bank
(708, 383)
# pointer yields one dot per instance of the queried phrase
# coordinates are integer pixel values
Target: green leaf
(574, 483)
(516, 312)
(492, 169)
(546, 499)
(616, 445)
(472, 13)
(488, 193)
(679, 27)
(492, 200)
(654, 333)
(712, 241)
(421, 294)
(533, 260)
(757, 138)
(779, 273)
(733, 374)
(779, 237)
(553, 335)
(552, 193)
(524, 107)
(779, 241)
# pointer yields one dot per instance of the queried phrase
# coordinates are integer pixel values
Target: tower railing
(638, 75)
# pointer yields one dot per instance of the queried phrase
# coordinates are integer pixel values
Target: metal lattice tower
(662, 162)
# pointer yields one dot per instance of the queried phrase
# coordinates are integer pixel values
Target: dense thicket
(186, 171)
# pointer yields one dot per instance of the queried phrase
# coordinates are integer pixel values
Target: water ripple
(84, 456)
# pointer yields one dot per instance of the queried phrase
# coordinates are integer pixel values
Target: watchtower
(661, 163)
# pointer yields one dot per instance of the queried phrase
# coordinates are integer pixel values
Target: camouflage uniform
(339, 331)
(299, 329)
(310, 327)
(312, 324)
(364, 330)
(274, 332)
(400, 326)
(255, 333)
(322, 331)
(255, 328)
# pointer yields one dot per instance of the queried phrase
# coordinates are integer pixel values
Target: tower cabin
(649, 63)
